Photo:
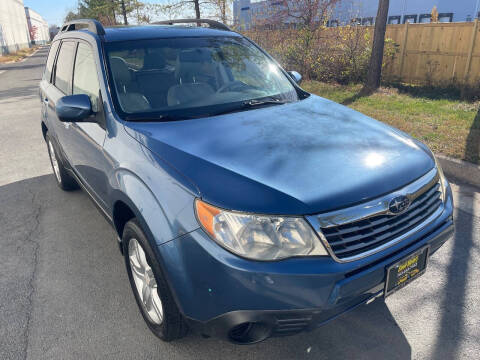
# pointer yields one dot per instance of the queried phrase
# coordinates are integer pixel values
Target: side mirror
(74, 108)
(295, 76)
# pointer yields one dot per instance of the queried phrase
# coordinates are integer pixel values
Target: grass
(447, 124)
(19, 55)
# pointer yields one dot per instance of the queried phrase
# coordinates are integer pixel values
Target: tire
(64, 180)
(171, 325)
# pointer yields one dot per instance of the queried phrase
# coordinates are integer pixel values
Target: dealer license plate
(406, 270)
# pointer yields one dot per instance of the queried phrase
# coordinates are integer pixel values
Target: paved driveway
(64, 292)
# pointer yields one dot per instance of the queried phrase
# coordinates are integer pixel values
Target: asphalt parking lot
(64, 292)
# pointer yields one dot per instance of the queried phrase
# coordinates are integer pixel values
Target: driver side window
(85, 79)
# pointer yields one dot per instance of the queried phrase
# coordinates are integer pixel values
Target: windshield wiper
(239, 107)
(249, 104)
(268, 101)
(147, 118)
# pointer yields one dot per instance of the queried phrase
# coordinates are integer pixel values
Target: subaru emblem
(399, 204)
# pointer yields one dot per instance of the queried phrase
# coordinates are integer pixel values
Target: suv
(244, 206)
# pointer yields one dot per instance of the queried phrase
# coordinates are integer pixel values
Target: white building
(36, 21)
(245, 12)
(13, 26)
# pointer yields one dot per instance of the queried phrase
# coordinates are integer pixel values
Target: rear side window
(63, 72)
(85, 79)
(51, 59)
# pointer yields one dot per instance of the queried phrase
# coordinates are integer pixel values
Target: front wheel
(149, 286)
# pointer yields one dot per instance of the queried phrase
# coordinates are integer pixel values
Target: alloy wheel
(145, 282)
(54, 161)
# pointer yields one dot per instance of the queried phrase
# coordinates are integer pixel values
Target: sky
(54, 11)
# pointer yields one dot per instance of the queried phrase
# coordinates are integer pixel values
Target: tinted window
(85, 79)
(51, 59)
(63, 72)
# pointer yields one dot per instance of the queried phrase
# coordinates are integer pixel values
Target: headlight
(443, 180)
(259, 237)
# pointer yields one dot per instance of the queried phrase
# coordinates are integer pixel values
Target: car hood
(306, 157)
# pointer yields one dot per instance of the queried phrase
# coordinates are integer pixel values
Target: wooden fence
(436, 52)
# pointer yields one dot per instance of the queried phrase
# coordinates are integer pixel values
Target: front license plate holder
(406, 270)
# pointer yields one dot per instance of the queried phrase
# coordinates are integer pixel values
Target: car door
(84, 140)
(46, 79)
(60, 87)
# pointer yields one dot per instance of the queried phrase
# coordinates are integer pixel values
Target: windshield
(191, 77)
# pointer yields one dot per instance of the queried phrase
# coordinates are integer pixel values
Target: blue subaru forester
(245, 207)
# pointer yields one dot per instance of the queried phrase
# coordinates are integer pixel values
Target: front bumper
(216, 290)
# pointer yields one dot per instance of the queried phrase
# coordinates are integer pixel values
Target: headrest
(121, 73)
(153, 60)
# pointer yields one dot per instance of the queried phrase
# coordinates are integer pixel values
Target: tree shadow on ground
(449, 92)
(362, 93)
(452, 317)
(472, 149)
(452, 93)
(452, 322)
(352, 99)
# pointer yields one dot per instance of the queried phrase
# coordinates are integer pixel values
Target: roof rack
(211, 23)
(90, 24)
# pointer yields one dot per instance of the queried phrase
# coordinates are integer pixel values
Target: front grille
(352, 239)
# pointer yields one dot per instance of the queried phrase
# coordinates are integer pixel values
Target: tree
(128, 7)
(308, 13)
(33, 30)
(53, 30)
(124, 12)
(221, 9)
(72, 16)
(175, 8)
(374, 74)
(106, 11)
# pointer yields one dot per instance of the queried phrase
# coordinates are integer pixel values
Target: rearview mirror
(295, 76)
(74, 108)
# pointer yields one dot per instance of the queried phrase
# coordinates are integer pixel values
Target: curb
(460, 169)
(29, 56)
(25, 58)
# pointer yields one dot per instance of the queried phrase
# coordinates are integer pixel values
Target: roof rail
(211, 23)
(91, 24)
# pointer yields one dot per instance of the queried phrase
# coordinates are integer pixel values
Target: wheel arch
(124, 210)
(132, 196)
(44, 130)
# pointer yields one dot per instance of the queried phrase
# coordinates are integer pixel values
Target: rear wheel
(64, 180)
(149, 286)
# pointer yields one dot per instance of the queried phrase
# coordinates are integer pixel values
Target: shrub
(328, 54)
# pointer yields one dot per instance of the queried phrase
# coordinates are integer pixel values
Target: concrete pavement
(64, 292)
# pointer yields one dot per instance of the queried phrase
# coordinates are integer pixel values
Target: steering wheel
(231, 85)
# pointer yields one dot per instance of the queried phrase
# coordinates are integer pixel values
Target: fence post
(470, 52)
(404, 50)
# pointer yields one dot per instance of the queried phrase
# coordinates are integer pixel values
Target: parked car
(244, 206)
